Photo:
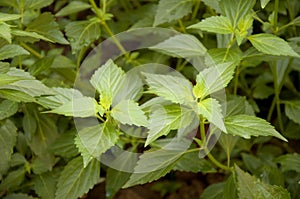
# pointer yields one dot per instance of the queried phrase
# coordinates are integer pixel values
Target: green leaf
(32, 35)
(190, 162)
(263, 3)
(45, 184)
(211, 109)
(153, 165)
(268, 44)
(214, 191)
(73, 7)
(236, 9)
(108, 80)
(18, 196)
(129, 112)
(218, 54)
(43, 163)
(251, 188)
(93, 141)
(78, 107)
(13, 180)
(292, 110)
(46, 26)
(215, 24)
(64, 145)
(214, 4)
(83, 33)
(247, 126)
(5, 31)
(4, 67)
(182, 46)
(8, 17)
(230, 190)
(169, 10)
(7, 109)
(164, 119)
(75, 180)
(11, 51)
(289, 162)
(173, 88)
(16, 96)
(213, 79)
(8, 138)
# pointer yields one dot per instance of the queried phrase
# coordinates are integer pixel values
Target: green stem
(217, 163)
(202, 129)
(182, 27)
(228, 156)
(195, 11)
(276, 6)
(228, 47)
(236, 80)
(31, 50)
(271, 110)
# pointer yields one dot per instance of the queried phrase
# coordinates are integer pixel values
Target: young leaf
(215, 24)
(46, 26)
(7, 109)
(73, 7)
(108, 80)
(169, 10)
(268, 44)
(95, 140)
(247, 126)
(211, 109)
(183, 46)
(8, 138)
(83, 33)
(164, 119)
(213, 79)
(250, 187)
(129, 112)
(5, 31)
(236, 9)
(292, 110)
(153, 165)
(173, 88)
(263, 3)
(12, 50)
(29, 36)
(75, 180)
(78, 107)
(8, 17)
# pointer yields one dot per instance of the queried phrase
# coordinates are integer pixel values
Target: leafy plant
(234, 63)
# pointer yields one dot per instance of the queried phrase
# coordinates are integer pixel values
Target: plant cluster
(229, 105)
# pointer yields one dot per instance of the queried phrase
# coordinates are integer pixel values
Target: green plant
(247, 58)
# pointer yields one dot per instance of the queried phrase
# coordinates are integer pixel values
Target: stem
(271, 110)
(195, 11)
(276, 6)
(236, 80)
(182, 28)
(217, 163)
(228, 157)
(202, 129)
(228, 47)
(31, 50)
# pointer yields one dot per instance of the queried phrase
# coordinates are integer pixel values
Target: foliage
(248, 52)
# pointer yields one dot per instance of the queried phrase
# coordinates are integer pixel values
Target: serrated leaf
(153, 165)
(8, 138)
(61, 96)
(16, 96)
(46, 26)
(190, 162)
(93, 141)
(214, 4)
(213, 79)
(13, 180)
(64, 145)
(246, 126)
(43, 163)
(33, 88)
(129, 112)
(215, 24)
(11, 51)
(164, 119)
(173, 88)
(169, 10)
(25, 34)
(7, 109)
(108, 80)
(210, 108)
(183, 46)
(45, 184)
(78, 107)
(219, 54)
(75, 180)
(214, 191)
(289, 162)
(268, 44)
(4, 67)
(83, 33)
(73, 7)
(249, 187)
(5, 31)
(236, 9)
(292, 110)
(8, 17)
